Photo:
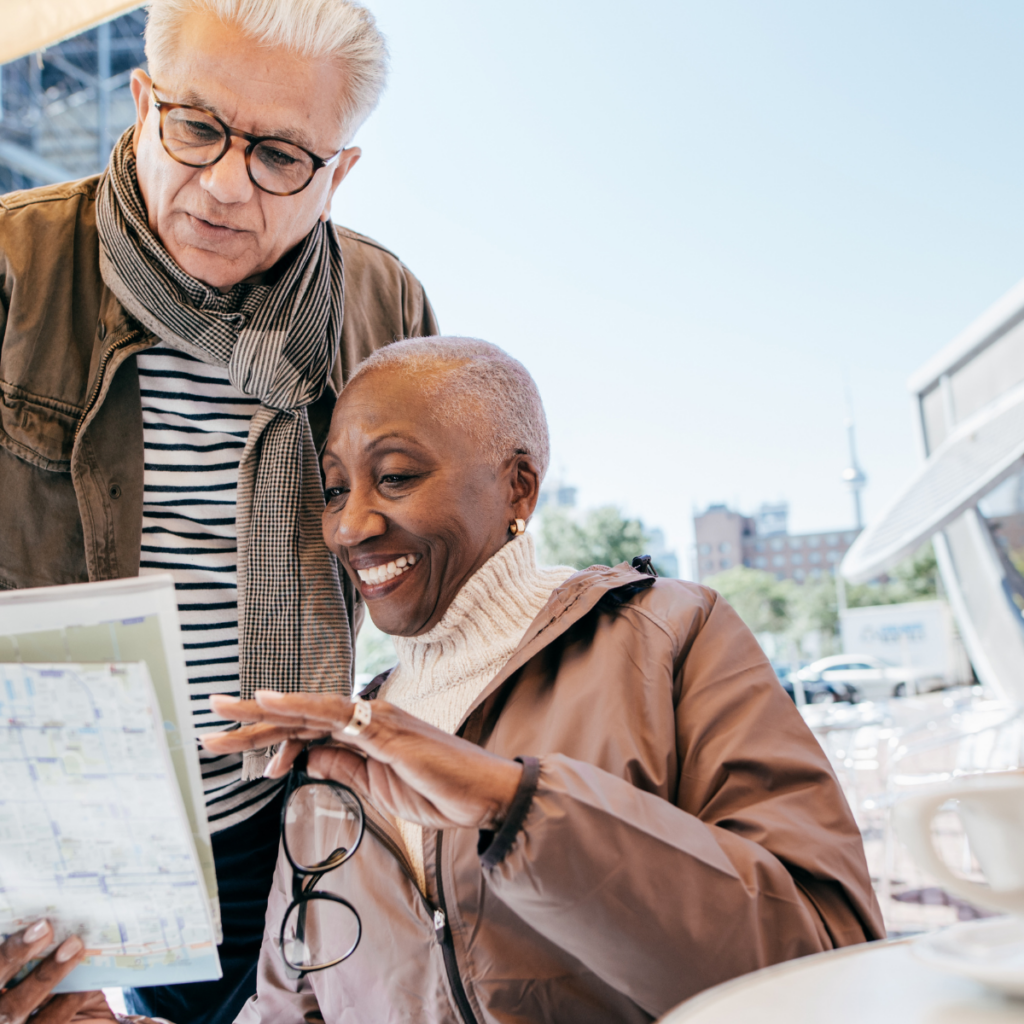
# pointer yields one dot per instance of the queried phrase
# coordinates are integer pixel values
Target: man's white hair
(340, 32)
(477, 385)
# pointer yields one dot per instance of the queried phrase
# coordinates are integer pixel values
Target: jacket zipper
(444, 937)
(441, 930)
(104, 359)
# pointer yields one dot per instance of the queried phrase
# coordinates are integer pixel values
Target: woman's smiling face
(414, 506)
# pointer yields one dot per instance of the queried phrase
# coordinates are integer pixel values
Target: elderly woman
(586, 795)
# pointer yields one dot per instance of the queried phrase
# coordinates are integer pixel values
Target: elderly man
(174, 335)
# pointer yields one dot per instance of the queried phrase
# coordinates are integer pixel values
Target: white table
(877, 983)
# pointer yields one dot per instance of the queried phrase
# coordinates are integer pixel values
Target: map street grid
(93, 831)
(133, 619)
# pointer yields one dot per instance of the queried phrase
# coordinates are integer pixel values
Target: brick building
(725, 538)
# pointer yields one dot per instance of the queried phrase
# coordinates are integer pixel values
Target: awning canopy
(30, 25)
(977, 456)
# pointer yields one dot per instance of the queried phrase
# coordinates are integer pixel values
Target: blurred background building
(568, 535)
(556, 494)
(62, 109)
(725, 538)
(968, 494)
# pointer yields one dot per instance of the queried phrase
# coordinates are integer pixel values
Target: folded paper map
(93, 830)
(118, 621)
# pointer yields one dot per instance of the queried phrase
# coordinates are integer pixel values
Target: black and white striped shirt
(194, 426)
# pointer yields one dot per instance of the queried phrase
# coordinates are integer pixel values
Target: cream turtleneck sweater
(441, 673)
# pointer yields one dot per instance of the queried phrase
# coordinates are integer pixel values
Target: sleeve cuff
(493, 847)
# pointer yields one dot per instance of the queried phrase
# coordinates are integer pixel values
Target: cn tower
(854, 477)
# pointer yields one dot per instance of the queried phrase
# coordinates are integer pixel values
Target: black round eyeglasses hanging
(322, 825)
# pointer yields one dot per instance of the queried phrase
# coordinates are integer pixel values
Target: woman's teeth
(383, 573)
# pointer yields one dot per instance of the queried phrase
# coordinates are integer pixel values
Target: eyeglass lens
(323, 825)
(318, 932)
(195, 138)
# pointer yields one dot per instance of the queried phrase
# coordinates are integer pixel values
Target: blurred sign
(919, 635)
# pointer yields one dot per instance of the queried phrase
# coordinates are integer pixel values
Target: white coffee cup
(991, 807)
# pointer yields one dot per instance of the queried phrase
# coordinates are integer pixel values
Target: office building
(725, 538)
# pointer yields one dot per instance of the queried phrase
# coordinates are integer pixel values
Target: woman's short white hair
(479, 386)
(337, 31)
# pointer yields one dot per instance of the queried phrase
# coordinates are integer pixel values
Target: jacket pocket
(39, 430)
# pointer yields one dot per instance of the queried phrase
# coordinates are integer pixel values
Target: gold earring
(517, 526)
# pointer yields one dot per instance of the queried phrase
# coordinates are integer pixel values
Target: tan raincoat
(678, 825)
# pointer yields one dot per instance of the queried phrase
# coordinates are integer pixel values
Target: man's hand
(401, 764)
(33, 992)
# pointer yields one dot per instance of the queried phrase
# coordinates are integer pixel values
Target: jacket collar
(579, 595)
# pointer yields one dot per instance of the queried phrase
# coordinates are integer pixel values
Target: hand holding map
(34, 993)
(93, 832)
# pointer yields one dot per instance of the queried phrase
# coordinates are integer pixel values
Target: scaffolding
(62, 109)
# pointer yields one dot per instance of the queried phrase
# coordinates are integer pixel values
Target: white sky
(693, 221)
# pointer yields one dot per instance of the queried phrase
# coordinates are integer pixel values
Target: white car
(868, 678)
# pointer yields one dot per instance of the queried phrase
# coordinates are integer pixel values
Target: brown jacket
(685, 828)
(70, 412)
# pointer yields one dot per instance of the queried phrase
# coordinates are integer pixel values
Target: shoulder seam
(356, 237)
(662, 624)
(31, 197)
(656, 620)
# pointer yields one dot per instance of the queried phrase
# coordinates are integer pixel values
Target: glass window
(796, 543)
(1005, 500)
(796, 559)
(832, 540)
(832, 556)
(779, 560)
(761, 562)
(816, 574)
(933, 415)
(759, 546)
(798, 574)
(1002, 511)
(724, 563)
(777, 545)
(725, 547)
(989, 374)
(705, 549)
(813, 542)
(814, 556)
(985, 376)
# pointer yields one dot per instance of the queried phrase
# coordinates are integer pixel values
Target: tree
(789, 611)
(375, 650)
(764, 603)
(915, 579)
(603, 537)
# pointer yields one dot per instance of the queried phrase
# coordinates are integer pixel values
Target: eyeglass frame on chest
(305, 878)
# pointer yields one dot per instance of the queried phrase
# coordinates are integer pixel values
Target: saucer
(989, 951)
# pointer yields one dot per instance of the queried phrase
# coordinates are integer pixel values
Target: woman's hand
(33, 992)
(401, 764)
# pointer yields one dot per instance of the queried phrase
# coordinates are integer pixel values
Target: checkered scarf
(278, 342)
